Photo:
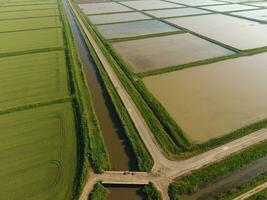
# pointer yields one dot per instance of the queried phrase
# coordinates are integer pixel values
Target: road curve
(164, 170)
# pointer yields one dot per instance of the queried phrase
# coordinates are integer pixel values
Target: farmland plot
(30, 40)
(29, 78)
(38, 153)
(212, 100)
(31, 23)
(28, 14)
(27, 7)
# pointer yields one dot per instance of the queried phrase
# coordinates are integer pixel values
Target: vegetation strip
(199, 178)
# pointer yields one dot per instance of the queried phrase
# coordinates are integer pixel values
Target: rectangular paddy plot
(8, 3)
(260, 4)
(32, 78)
(27, 7)
(176, 12)
(213, 100)
(150, 4)
(133, 29)
(229, 8)
(117, 17)
(28, 14)
(30, 23)
(159, 52)
(197, 2)
(30, 40)
(38, 153)
(260, 15)
(236, 32)
(107, 7)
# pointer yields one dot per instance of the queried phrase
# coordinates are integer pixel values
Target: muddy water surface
(124, 192)
(133, 29)
(227, 8)
(253, 14)
(232, 180)
(121, 154)
(158, 52)
(106, 7)
(210, 101)
(244, 34)
(150, 4)
(117, 17)
(176, 12)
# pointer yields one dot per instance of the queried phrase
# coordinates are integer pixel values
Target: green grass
(262, 195)
(38, 153)
(27, 7)
(29, 3)
(99, 192)
(150, 192)
(28, 14)
(32, 77)
(30, 23)
(21, 41)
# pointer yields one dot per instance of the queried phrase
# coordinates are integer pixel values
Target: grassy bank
(144, 160)
(190, 183)
(99, 192)
(150, 192)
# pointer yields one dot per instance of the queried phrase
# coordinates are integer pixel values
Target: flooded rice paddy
(124, 192)
(176, 12)
(260, 15)
(229, 8)
(117, 17)
(133, 29)
(150, 4)
(165, 51)
(230, 181)
(212, 100)
(197, 2)
(106, 7)
(244, 34)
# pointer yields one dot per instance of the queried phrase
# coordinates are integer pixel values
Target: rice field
(28, 14)
(30, 23)
(38, 139)
(198, 74)
(30, 40)
(27, 7)
(47, 71)
(38, 153)
(164, 51)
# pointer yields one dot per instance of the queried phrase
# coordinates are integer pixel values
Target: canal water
(122, 157)
(120, 152)
(230, 181)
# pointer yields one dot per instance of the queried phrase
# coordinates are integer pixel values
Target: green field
(30, 23)
(30, 40)
(27, 7)
(29, 3)
(26, 80)
(38, 153)
(28, 14)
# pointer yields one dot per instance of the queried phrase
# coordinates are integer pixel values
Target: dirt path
(252, 192)
(164, 170)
